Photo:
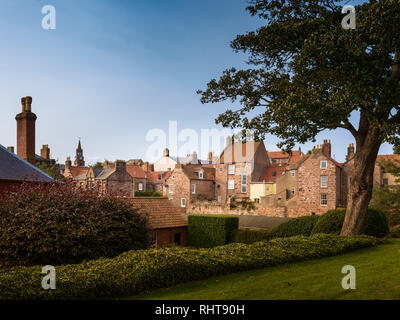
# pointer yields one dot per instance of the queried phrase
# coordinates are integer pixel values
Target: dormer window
(323, 164)
(201, 174)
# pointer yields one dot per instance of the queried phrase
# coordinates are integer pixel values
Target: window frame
(243, 184)
(326, 182)
(171, 188)
(193, 188)
(293, 173)
(321, 199)
(326, 164)
(231, 184)
(183, 202)
(231, 169)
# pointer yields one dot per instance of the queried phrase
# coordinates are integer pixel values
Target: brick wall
(167, 236)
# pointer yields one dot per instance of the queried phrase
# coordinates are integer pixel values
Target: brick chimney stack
(45, 151)
(26, 131)
(120, 166)
(350, 151)
(210, 158)
(68, 163)
(327, 148)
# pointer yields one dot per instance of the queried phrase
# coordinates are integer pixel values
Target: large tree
(308, 74)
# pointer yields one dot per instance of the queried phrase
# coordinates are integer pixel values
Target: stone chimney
(350, 151)
(210, 158)
(68, 163)
(147, 167)
(120, 166)
(106, 164)
(327, 148)
(26, 131)
(45, 152)
(166, 152)
(11, 149)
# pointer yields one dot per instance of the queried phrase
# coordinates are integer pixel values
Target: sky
(113, 72)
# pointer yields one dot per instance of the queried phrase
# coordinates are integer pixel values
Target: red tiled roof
(270, 174)
(135, 171)
(161, 213)
(77, 171)
(382, 158)
(154, 176)
(191, 170)
(293, 157)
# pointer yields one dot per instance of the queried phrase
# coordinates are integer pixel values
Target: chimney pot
(11, 149)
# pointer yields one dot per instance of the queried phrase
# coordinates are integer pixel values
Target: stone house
(239, 164)
(312, 185)
(115, 180)
(188, 183)
(167, 222)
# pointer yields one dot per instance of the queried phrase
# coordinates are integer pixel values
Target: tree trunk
(360, 191)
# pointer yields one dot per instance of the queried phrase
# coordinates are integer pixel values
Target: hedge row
(147, 194)
(206, 231)
(138, 271)
(376, 223)
(293, 227)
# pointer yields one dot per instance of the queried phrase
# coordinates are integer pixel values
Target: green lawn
(378, 277)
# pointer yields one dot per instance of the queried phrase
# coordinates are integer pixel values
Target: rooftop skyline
(114, 70)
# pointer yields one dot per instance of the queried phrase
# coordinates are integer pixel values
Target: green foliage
(207, 231)
(332, 221)
(137, 271)
(293, 227)
(251, 235)
(147, 194)
(308, 74)
(52, 170)
(98, 165)
(59, 223)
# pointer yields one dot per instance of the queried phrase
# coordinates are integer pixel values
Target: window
(244, 183)
(183, 202)
(293, 173)
(324, 200)
(153, 239)
(170, 199)
(171, 188)
(231, 184)
(193, 189)
(140, 186)
(274, 174)
(324, 181)
(385, 182)
(201, 174)
(257, 200)
(220, 169)
(219, 199)
(231, 169)
(293, 191)
(323, 164)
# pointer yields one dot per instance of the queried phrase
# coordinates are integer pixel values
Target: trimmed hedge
(147, 194)
(138, 271)
(206, 231)
(294, 227)
(376, 225)
(249, 236)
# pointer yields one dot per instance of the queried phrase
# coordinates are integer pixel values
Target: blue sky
(113, 70)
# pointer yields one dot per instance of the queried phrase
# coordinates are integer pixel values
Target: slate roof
(15, 168)
(161, 213)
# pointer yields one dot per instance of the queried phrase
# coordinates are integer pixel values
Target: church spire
(79, 159)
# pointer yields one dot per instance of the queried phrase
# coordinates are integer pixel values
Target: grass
(377, 277)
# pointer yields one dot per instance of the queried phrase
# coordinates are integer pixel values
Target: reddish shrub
(58, 224)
